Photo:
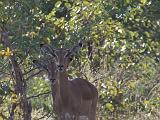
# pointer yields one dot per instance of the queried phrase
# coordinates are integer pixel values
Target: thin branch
(31, 76)
(150, 94)
(44, 116)
(84, 75)
(2, 72)
(34, 96)
(11, 112)
(30, 71)
(95, 80)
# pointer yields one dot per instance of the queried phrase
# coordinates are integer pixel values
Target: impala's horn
(40, 64)
(46, 49)
(76, 49)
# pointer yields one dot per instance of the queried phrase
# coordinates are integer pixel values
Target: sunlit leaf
(8, 52)
(109, 106)
(143, 1)
(1, 118)
(86, 2)
(58, 3)
(127, 1)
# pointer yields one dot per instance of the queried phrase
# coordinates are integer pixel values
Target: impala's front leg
(83, 118)
(67, 116)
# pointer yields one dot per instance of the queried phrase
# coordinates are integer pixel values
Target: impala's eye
(54, 55)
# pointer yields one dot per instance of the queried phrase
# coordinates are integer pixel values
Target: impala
(73, 99)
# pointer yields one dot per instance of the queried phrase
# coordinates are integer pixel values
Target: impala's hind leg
(83, 118)
(93, 110)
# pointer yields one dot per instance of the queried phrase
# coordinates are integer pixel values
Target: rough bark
(20, 86)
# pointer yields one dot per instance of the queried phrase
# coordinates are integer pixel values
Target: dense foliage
(120, 56)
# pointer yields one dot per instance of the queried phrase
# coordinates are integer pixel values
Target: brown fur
(73, 99)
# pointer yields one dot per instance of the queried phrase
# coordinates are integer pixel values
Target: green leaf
(57, 5)
(1, 3)
(146, 102)
(109, 106)
(127, 1)
(86, 2)
(143, 1)
(1, 91)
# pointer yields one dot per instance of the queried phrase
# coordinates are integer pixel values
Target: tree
(120, 53)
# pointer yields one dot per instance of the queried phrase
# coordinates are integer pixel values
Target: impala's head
(62, 57)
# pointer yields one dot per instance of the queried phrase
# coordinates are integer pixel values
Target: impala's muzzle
(60, 67)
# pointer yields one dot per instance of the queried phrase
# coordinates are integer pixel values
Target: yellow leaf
(8, 52)
(14, 98)
(2, 53)
(32, 34)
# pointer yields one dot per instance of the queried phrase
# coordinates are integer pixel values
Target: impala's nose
(60, 67)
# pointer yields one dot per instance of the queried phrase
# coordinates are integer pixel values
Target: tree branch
(34, 74)
(20, 87)
(34, 96)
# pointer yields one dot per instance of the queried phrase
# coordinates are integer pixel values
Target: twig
(34, 96)
(153, 88)
(2, 73)
(30, 71)
(33, 75)
(95, 80)
(44, 116)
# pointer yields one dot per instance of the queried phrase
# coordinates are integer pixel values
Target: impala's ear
(47, 49)
(74, 50)
(40, 65)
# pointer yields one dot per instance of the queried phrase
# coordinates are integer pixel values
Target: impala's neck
(62, 84)
(62, 78)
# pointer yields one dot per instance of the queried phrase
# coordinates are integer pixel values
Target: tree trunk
(20, 86)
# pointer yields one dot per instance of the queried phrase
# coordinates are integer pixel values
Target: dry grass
(41, 115)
